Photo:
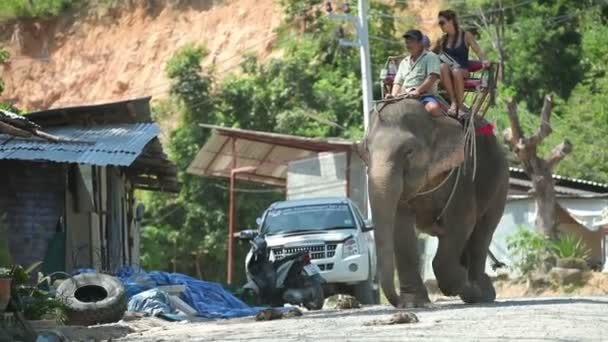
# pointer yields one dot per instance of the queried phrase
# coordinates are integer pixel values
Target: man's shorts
(428, 98)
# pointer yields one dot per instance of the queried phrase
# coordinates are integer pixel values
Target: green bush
(34, 8)
(529, 247)
(569, 246)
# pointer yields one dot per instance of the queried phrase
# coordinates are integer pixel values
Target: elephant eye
(409, 152)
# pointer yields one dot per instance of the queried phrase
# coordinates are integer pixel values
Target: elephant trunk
(385, 191)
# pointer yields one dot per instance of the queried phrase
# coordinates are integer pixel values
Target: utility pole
(366, 68)
(362, 42)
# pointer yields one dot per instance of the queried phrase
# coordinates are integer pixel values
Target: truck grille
(316, 251)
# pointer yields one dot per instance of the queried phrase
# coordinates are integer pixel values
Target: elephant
(411, 158)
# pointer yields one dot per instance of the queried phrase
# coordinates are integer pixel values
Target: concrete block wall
(32, 197)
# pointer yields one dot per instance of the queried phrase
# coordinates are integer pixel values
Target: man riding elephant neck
(418, 73)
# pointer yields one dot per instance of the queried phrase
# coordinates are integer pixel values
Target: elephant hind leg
(477, 249)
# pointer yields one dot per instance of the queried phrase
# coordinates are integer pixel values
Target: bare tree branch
(559, 152)
(516, 132)
(545, 123)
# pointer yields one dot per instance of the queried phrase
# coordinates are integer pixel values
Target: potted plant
(5, 287)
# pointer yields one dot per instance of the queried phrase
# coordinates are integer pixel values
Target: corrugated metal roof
(268, 152)
(117, 144)
(564, 184)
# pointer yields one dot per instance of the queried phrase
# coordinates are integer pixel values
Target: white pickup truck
(340, 242)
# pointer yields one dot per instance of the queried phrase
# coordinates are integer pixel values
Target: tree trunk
(539, 170)
(545, 202)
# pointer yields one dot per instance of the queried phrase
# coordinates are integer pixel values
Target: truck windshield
(308, 218)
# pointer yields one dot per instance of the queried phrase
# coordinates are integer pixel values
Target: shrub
(27, 9)
(529, 248)
(569, 246)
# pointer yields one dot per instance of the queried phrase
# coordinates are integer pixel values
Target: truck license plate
(312, 269)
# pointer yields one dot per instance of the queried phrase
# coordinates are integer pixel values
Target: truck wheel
(318, 296)
(365, 292)
(93, 298)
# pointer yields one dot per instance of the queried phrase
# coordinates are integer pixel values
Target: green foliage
(555, 47)
(189, 231)
(35, 301)
(569, 246)
(529, 248)
(301, 11)
(4, 56)
(34, 8)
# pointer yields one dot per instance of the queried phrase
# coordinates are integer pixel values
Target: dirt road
(539, 319)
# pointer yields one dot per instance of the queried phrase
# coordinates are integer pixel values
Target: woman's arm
(470, 41)
(436, 48)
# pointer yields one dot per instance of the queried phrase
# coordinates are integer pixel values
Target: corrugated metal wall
(32, 196)
(327, 175)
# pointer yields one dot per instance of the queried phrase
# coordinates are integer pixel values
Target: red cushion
(475, 66)
(472, 83)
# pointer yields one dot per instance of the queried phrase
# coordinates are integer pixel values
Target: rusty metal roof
(128, 111)
(268, 152)
(116, 144)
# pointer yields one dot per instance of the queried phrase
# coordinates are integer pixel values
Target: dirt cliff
(93, 56)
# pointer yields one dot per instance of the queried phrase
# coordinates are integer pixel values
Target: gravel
(530, 319)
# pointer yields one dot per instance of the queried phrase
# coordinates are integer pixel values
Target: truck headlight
(350, 248)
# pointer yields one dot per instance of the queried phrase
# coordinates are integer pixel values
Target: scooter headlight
(350, 248)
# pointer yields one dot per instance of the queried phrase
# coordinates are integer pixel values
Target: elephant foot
(482, 292)
(414, 300)
(488, 293)
(471, 293)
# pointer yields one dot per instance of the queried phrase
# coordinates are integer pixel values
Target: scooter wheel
(250, 297)
(318, 298)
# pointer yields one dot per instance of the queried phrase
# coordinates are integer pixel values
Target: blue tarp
(153, 302)
(210, 300)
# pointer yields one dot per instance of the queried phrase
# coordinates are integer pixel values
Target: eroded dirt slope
(94, 56)
(120, 54)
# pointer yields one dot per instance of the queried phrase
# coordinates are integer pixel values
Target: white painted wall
(521, 212)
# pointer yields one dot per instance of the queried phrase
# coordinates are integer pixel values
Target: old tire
(93, 298)
(318, 295)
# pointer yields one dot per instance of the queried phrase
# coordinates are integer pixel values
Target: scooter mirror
(247, 234)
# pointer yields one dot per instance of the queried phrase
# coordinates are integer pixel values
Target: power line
(386, 15)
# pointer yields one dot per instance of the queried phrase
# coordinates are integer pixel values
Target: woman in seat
(453, 49)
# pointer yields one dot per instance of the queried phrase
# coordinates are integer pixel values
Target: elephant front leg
(413, 291)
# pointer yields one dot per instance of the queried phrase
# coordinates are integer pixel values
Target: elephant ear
(447, 144)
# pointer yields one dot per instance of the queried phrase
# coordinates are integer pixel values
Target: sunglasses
(442, 22)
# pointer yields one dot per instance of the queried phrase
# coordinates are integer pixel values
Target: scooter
(292, 279)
